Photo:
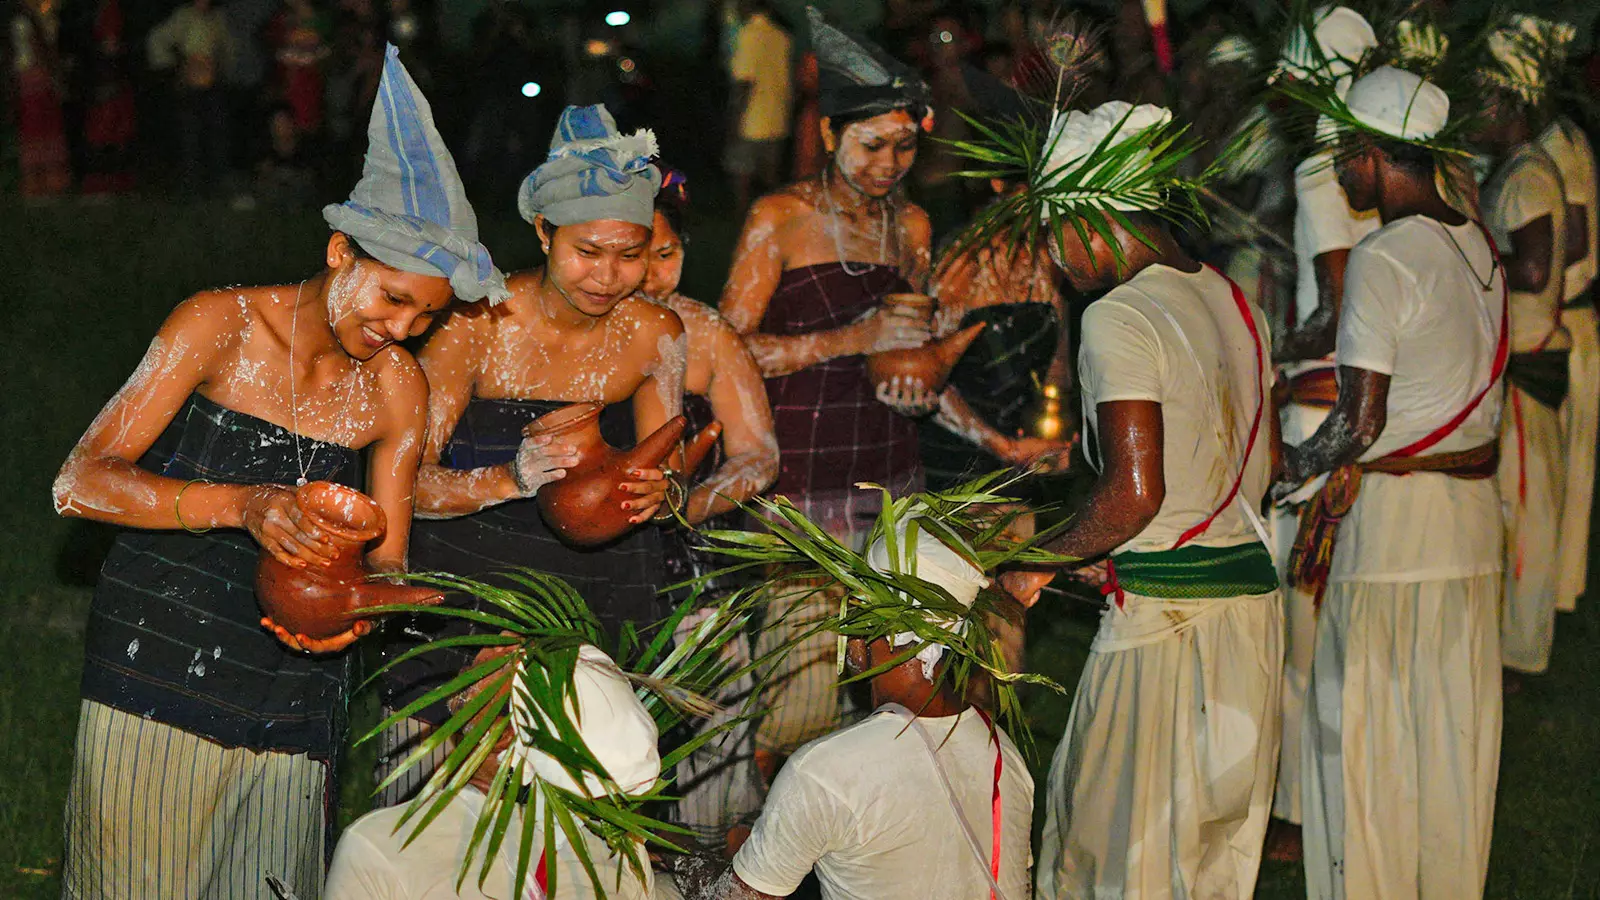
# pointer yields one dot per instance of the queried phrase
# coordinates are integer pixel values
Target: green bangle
(179, 513)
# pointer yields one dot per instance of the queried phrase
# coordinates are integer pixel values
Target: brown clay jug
(322, 601)
(585, 506)
(931, 363)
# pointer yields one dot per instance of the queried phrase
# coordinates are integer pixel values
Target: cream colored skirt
(1402, 748)
(1532, 454)
(157, 813)
(1162, 786)
(1580, 421)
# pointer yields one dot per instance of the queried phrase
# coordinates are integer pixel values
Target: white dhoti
(1532, 452)
(1300, 628)
(1162, 786)
(1580, 422)
(1403, 751)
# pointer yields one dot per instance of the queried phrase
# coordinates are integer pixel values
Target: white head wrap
(616, 728)
(1076, 136)
(1342, 37)
(935, 562)
(1398, 103)
(1525, 50)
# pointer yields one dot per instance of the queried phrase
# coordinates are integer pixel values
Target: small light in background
(626, 64)
(531, 89)
(618, 18)
(596, 47)
(946, 37)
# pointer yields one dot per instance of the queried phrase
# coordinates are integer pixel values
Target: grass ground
(89, 286)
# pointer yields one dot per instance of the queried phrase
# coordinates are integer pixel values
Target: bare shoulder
(397, 372)
(914, 220)
(702, 322)
(647, 319)
(211, 321)
(783, 204)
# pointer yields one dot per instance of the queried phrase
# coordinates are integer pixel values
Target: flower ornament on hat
(410, 210)
(919, 554)
(856, 78)
(1330, 49)
(593, 172)
(1525, 56)
(612, 724)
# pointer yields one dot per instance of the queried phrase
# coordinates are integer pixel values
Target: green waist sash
(1197, 572)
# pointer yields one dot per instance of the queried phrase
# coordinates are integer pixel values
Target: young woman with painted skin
(242, 393)
(720, 370)
(571, 331)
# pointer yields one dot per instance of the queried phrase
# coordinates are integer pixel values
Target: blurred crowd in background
(257, 101)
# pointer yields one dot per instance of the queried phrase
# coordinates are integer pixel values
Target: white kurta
(1323, 223)
(1525, 189)
(1580, 414)
(1162, 786)
(1404, 711)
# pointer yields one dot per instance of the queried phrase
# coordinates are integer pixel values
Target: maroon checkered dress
(832, 432)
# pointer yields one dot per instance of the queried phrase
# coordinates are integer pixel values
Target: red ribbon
(994, 802)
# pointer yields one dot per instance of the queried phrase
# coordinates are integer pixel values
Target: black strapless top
(619, 580)
(174, 631)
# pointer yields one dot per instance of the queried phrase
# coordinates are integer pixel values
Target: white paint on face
(874, 155)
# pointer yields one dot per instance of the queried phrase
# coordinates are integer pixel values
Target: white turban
(616, 728)
(935, 562)
(1524, 50)
(1399, 104)
(1342, 37)
(1075, 136)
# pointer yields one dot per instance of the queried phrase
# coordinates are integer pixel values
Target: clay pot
(585, 507)
(320, 602)
(931, 363)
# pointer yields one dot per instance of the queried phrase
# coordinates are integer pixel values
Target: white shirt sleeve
(1325, 223)
(1532, 192)
(1378, 296)
(361, 871)
(1121, 355)
(802, 821)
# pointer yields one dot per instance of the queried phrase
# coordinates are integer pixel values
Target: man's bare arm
(1315, 338)
(1358, 417)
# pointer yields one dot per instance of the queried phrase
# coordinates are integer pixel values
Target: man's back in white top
(369, 863)
(1569, 147)
(865, 808)
(1526, 188)
(1137, 343)
(1423, 305)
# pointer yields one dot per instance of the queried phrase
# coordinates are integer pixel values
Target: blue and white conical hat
(410, 210)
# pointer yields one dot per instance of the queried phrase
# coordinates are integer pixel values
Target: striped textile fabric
(395, 745)
(156, 813)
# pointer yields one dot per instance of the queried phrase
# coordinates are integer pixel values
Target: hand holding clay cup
(599, 498)
(1041, 454)
(274, 519)
(925, 362)
(319, 609)
(907, 396)
(901, 322)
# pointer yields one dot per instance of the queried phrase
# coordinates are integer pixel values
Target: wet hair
(673, 200)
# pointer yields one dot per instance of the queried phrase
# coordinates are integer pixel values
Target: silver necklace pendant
(300, 482)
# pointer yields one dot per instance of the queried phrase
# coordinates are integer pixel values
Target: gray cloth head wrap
(857, 78)
(410, 210)
(594, 172)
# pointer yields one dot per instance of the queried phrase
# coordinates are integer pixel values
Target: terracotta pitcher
(585, 507)
(320, 602)
(931, 363)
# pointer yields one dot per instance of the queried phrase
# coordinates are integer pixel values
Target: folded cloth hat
(857, 78)
(593, 172)
(1078, 152)
(933, 561)
(1398, 104)
(1526, 53)
(410, 210)
(615, 727)
(1338, 40)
